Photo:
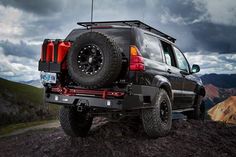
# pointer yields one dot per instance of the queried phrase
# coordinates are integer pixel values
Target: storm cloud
(40, 7)
(20, 49)
(201, 27)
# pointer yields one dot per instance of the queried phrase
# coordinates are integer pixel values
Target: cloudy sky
(205, 29)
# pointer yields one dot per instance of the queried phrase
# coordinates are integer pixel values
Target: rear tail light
(136, 60)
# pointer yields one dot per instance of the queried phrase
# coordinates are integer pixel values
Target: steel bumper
(141, 97)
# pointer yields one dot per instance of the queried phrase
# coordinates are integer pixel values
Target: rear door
(188, 84)
(173, 74)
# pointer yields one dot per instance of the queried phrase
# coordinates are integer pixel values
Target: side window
(168, 53)
(181, 60)
(151, 48)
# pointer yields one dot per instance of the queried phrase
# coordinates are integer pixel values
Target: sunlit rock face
(224, 111)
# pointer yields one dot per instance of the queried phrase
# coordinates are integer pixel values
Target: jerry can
(47, 51)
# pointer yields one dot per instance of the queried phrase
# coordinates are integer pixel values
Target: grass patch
(14, 127)
(22, 91)
(23, 103)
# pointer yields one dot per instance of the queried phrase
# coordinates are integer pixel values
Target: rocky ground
(187, 138)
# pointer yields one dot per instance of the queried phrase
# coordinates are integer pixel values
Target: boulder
(224, 111)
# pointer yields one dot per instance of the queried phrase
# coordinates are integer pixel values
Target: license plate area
(47, 77)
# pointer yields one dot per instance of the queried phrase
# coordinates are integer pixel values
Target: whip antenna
(91, 14)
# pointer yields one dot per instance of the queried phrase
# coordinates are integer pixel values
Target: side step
(177, 114)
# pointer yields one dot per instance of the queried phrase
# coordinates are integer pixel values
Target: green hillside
(22, 103)
(21, 91)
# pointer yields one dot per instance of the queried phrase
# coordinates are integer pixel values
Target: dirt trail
(187, 138)
(54, 124)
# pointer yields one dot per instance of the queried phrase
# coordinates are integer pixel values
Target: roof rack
(135, 23)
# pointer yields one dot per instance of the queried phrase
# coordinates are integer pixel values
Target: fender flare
(162, 82)
(201, 90)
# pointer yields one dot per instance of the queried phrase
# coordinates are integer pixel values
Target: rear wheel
(157, 121)
(74, 123)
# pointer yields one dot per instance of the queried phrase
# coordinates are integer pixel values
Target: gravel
(187, 138)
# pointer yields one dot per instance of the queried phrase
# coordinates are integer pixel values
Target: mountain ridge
(35, 83)
(220, 80)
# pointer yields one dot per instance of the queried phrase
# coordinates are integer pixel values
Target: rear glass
(151, 48)
(121, 36)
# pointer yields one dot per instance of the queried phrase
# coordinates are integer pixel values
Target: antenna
(143, 12)
(91, 13)
(143, 16)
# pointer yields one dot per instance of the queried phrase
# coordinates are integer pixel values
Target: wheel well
(202, 91)
(167, 89)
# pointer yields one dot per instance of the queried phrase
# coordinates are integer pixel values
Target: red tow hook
(61, 90)
(104, 94)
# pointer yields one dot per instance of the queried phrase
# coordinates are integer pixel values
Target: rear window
(121, 36)
(151, 48)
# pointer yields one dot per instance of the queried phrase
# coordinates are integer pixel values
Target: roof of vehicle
(131, 23)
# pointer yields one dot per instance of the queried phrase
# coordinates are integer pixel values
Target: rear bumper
(140, 97)
(114, 104)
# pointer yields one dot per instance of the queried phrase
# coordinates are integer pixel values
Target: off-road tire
(74, 123)
(151, 118)
(110, 69)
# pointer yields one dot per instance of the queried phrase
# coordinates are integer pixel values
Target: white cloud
(18, 68)
(213, 11)
(213, 62)
(218, 11)
(167, 17)
(233, 57)
(10, 22)
(17, 25)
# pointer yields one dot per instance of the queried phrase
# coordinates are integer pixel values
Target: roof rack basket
(132, 23)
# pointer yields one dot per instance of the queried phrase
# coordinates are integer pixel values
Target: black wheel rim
(90, 59)
(164, 112)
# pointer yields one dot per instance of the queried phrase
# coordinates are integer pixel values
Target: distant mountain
(215, 95)
(220, 80)
(218, 87)
(212, 91)
(35, 83)
(22, 103)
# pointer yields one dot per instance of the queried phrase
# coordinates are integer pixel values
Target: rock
(36, 147)
(224, 111)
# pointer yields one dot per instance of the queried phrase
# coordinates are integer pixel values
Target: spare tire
(94, 60)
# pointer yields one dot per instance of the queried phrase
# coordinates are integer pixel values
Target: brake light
(136, 60)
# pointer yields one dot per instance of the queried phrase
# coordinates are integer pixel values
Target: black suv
(119, 68)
